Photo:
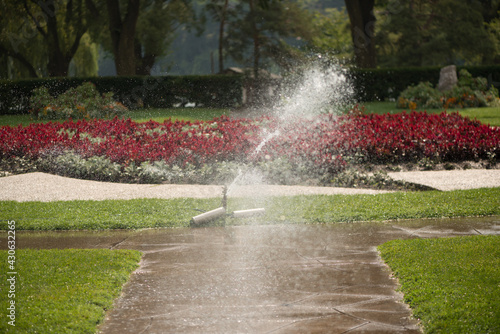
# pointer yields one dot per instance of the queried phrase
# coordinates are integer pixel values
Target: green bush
(100, 168)
(470, 92)
(423, 95)
(218, 91)
(83, 101)
(211, 91)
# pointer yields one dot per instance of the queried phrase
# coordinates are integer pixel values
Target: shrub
(211, 91)
(469, 92)
(80, 102)
(423, 95)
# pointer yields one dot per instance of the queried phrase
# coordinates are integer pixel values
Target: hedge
(137, 91)
(388, 83)
(220, 90)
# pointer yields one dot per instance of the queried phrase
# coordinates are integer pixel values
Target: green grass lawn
(485, 115)
(147, 213)
(63, 291)
(186, 114)
(452, 284)
(489, 115)
(140, 115)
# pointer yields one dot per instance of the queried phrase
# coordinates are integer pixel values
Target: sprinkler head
(224, 197)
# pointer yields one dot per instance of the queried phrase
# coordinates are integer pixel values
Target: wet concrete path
(261, 279)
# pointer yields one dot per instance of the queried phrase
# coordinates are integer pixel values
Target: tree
(84, 62)
(220, 12)
(122, 31)
(262, 35)
(54, 26)
(19, 41)
(425, 33)
(332, 35)
(490, 10)
(156, 26)
(362, 21)
(141, 31)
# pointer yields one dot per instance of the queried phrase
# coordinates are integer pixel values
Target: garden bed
(347, 150)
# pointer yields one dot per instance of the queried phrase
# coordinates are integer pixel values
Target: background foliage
(133, 92)
(55, 38)
(469, 92)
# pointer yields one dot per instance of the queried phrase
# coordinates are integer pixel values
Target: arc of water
(264, 141)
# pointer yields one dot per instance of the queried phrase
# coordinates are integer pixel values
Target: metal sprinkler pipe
(249, 213)
(209, 216)
(213, 214)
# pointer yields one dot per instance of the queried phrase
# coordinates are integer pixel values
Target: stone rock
(447, 78)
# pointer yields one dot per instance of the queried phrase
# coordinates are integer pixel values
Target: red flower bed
(125, 141)
(324, 141)
(387, 138)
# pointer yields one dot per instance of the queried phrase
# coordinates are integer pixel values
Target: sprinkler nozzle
(224, 197)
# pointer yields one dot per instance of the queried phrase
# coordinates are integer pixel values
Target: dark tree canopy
(362, 31)
(58, 26)
(53, 37)
(434, 32)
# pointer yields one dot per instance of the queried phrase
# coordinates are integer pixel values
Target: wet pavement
(262, 278)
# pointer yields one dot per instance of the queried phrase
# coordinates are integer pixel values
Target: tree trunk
(58, 65)
(123, 35)
(362, 31)
(59, 59)
(221, 36)
(256, 42)
(145, 63)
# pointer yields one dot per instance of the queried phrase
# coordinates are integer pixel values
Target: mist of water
(315, 89)
(319, 88)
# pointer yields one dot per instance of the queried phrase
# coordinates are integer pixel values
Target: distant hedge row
(388, 83)
(137, 91)
(219, 91)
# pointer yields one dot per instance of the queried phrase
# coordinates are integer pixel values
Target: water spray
(321, 87)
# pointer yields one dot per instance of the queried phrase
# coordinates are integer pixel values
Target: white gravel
(452, 179)
(47, 187)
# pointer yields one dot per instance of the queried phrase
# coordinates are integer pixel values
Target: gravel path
(47, 187)
(453, 179)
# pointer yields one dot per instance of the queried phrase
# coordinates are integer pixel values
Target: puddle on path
(259, 279)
